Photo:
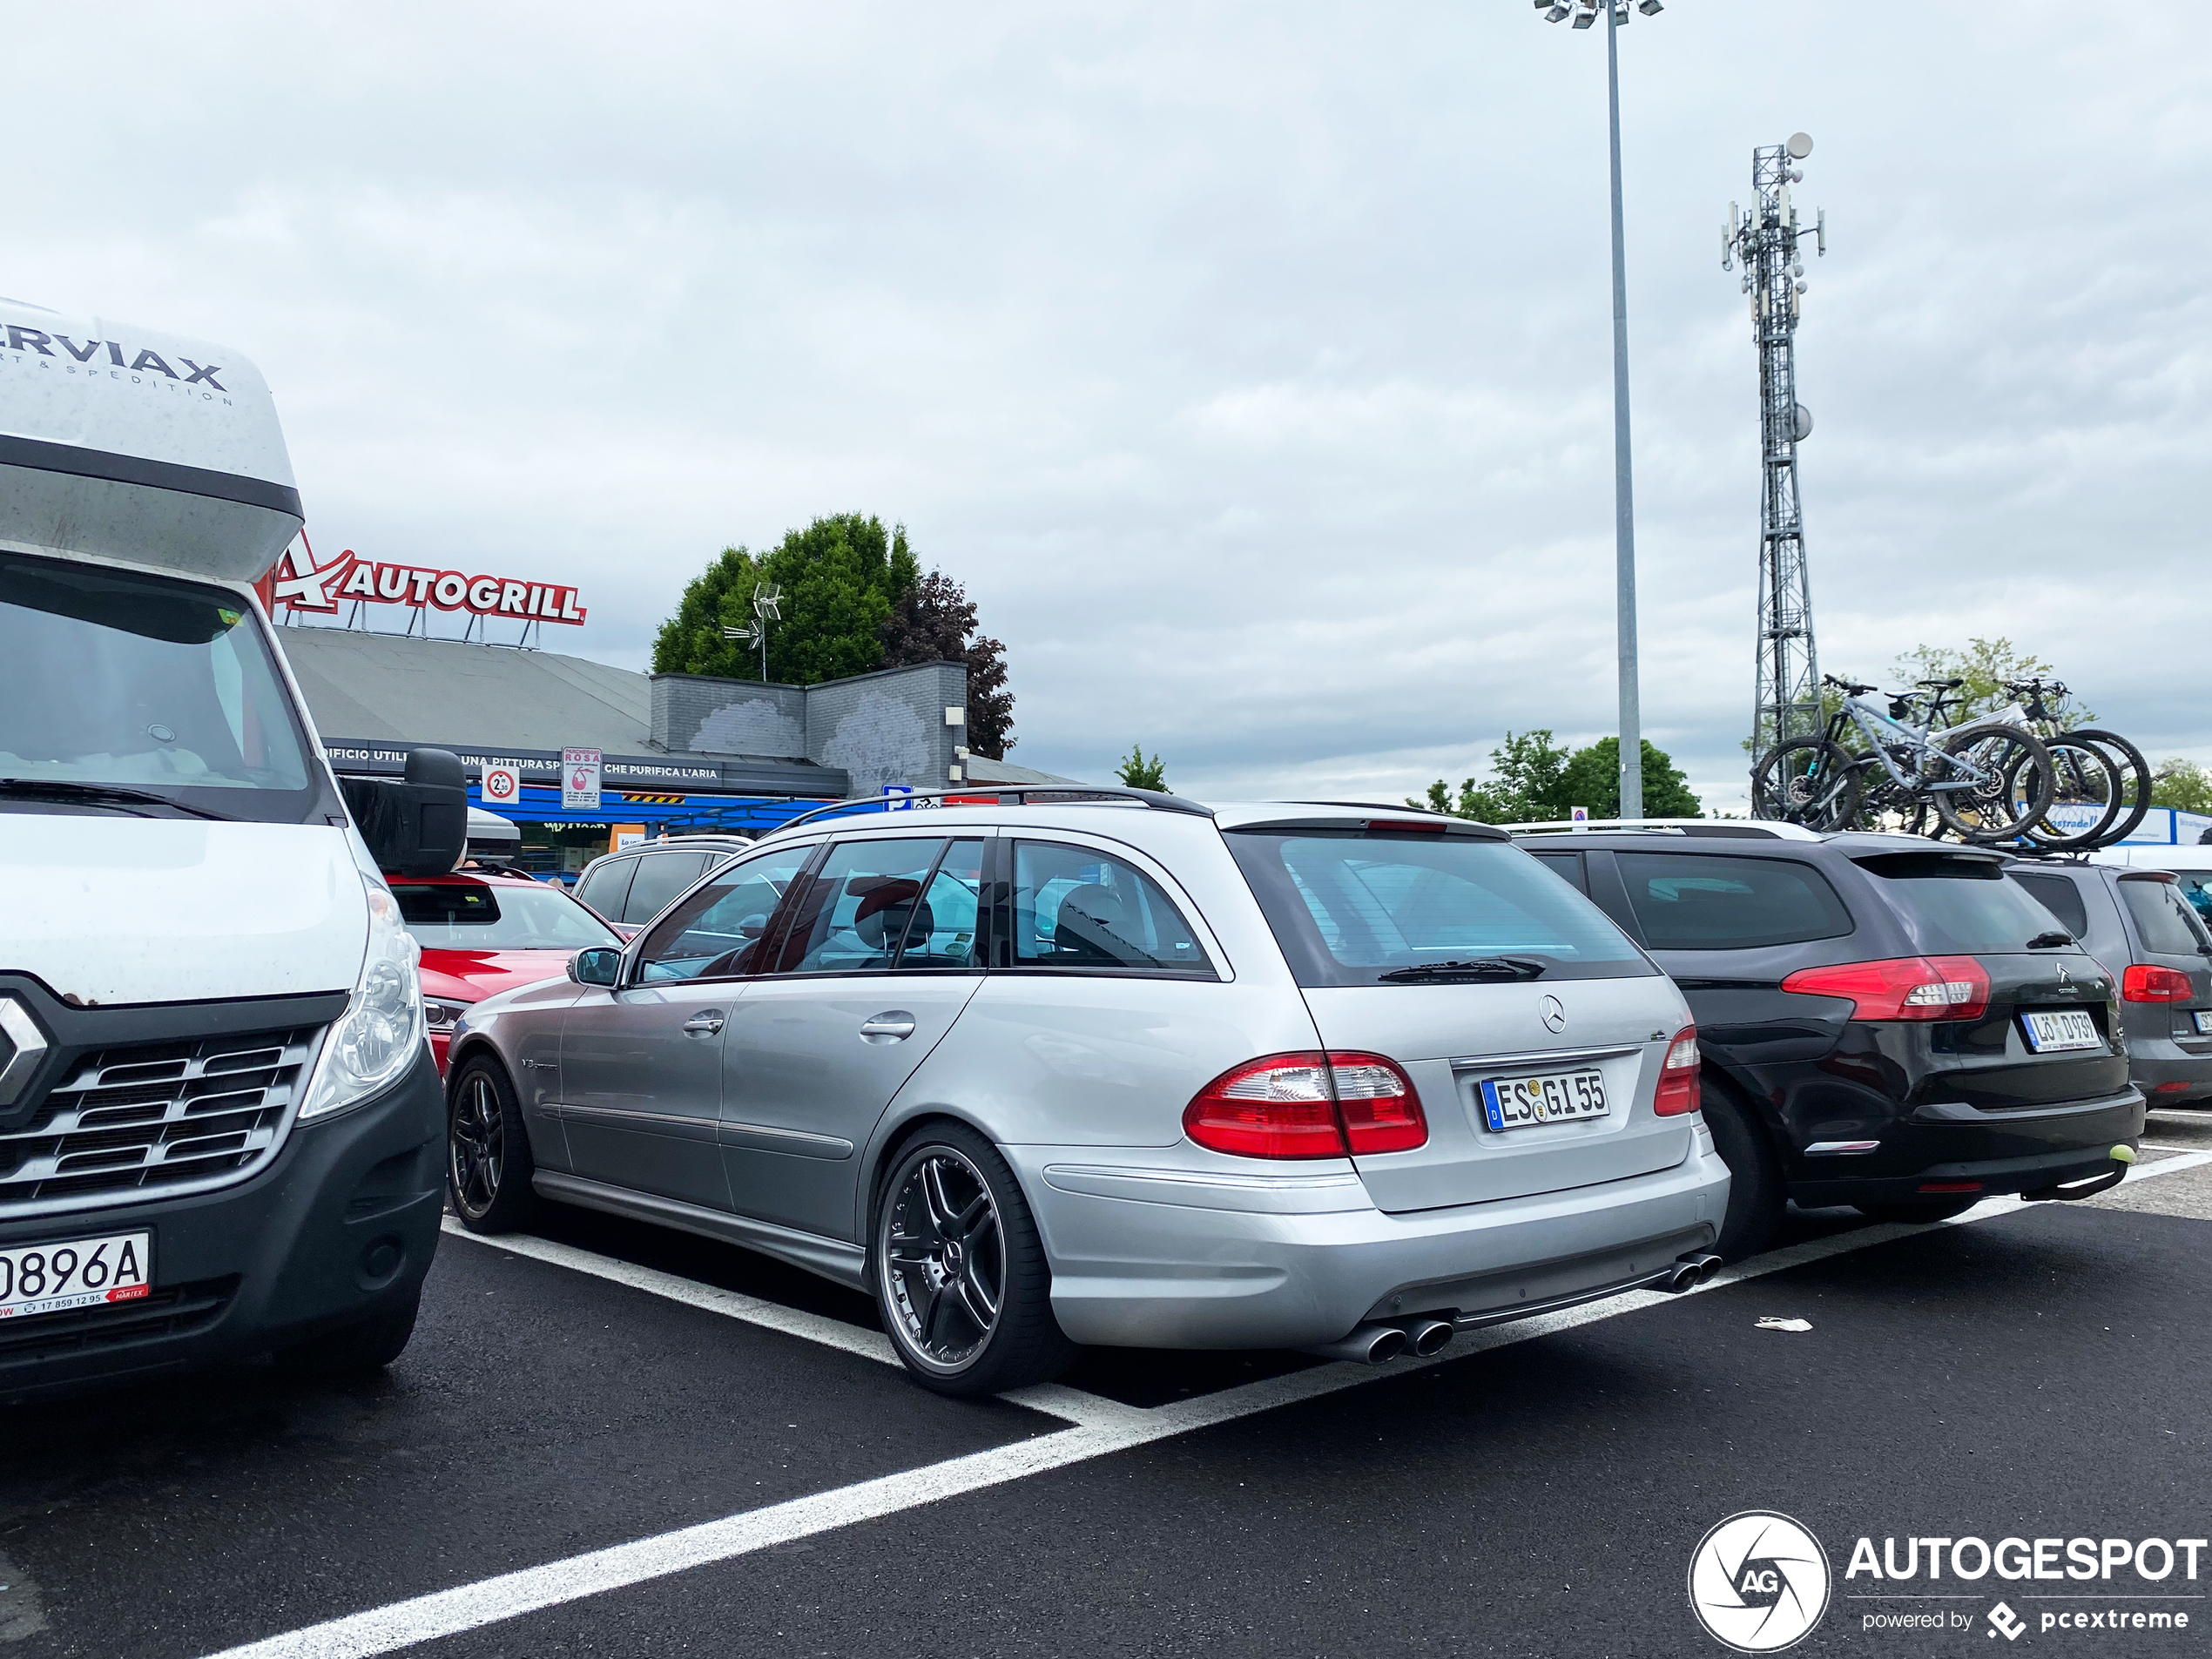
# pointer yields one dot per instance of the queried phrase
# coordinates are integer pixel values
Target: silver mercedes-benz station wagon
(1124, 1070)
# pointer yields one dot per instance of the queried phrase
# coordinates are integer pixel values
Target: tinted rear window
(1957, 906)
(2060, 897)
(1348, 907)
(2170, 927)
(1708, 902)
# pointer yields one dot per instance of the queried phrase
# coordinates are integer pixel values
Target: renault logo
(21, 1046)
(1553, 1012)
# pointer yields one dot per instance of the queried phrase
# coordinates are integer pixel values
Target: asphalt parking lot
(611, 1440)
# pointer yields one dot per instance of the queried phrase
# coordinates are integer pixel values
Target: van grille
(151, 1116)
(173, 1310)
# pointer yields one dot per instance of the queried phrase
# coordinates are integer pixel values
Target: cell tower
(1766, 241)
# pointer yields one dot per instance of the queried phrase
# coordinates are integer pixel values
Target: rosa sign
(299, 584)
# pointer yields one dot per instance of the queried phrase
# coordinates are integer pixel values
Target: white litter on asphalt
(1772, 1322)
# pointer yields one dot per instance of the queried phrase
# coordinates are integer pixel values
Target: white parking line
(1105, 1428)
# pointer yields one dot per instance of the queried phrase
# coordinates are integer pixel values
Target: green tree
(1984, 664)
(1137, 772)
(1528, 770)
(2181, 783)
(841, 578)
(1593, 779)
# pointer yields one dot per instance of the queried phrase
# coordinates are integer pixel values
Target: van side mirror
(417, 825)
(600, 965)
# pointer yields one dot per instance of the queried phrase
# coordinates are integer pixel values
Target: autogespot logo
(1758, 1581)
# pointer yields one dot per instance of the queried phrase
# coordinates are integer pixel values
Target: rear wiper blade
(97, 795)
(2051, 941)
(1518, 968)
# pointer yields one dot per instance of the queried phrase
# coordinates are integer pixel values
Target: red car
(483, 931)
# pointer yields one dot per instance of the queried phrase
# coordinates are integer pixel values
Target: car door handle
(705, 1023)
(888, 1026)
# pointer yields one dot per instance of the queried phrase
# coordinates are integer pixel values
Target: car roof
(1133, 819)
(1741, 836)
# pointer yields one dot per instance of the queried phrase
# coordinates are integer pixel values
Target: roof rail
(1720, 828)
(1377, 806)
(1018, 794)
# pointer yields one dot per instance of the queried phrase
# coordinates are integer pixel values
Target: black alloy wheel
(960, 1277)
(488, 1153)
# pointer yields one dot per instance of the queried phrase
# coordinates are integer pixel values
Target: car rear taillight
(1677, 1092)
(2148, 982)
(1901, 988)
(1308, 1105)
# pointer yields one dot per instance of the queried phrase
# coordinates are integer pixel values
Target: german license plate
(79, 1273)
(2203, 1018)
(1554, 1097)
(2058, 1032)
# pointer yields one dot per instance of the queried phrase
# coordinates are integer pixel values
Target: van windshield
(145, 686)
(1361, 908)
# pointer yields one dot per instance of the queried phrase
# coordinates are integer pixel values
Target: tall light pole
(1584, 13)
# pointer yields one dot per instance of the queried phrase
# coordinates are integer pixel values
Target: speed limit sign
(503, 785)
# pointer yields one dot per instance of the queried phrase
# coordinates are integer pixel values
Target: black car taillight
(1901, 988)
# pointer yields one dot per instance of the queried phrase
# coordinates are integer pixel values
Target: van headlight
(377, 1037)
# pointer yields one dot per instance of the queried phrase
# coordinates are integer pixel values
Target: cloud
(1251, 363)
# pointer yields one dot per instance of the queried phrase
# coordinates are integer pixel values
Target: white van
(221, 1131)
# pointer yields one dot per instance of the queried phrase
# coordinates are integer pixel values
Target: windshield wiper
(97, 795)
(1516, 968)
(2051, 941)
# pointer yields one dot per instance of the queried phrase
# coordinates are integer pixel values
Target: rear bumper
(2003, 1151)
(2167, 1073)
(1181, 1263)
(341, 1225)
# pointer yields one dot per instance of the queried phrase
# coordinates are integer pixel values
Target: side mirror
(601, 965)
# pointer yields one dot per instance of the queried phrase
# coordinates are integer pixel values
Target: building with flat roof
(678, 750)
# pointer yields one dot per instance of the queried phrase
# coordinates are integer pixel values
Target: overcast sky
(1251, 363)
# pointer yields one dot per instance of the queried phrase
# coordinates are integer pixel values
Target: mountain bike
(1984, 782)
(2102, 782)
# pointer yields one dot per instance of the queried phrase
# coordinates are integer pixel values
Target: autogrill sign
(301, 585)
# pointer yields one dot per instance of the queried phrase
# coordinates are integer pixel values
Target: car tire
(959, 1270)
(487, 1151)
(1756, 1193)
(1920, 1212)
(352, 1349)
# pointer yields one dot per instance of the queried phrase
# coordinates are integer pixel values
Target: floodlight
(1584, 19)
(1650, 8)
(1558, 12)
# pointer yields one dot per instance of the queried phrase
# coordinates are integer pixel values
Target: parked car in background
(1886, 1022)
(483, 931)
(2191, 868)
(2136, 922)
(1135, 1073)
(630, 888)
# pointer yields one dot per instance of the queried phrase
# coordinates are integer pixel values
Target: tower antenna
(1765, 241)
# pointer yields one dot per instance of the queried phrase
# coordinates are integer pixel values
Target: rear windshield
(2057, 895)
(2169, 926)
(147, 684)
(1713, 901)
(468, 916)
(1957, 905)
(1352, 908)
(2196, 888)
